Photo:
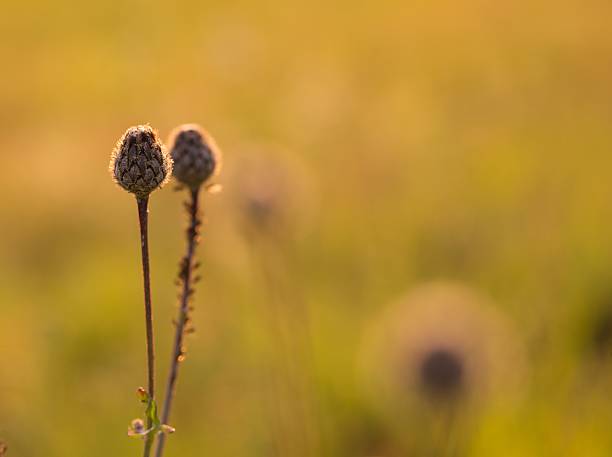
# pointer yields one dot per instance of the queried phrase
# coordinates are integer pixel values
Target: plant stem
(143, 203)
(185, 276)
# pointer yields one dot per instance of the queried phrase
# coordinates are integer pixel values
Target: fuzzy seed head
(442, 372)
(139, 163)
(195, 154)
(442, 345)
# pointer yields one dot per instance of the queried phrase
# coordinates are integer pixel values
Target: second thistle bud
(195, 154)
(139, 162)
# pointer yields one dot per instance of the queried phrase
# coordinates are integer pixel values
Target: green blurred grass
(461, 140)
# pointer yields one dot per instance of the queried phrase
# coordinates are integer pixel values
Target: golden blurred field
(466, 142)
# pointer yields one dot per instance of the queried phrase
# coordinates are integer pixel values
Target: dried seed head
(139, 163)
(196, 155)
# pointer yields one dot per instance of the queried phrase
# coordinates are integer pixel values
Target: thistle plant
(140, 164)
(196, 160)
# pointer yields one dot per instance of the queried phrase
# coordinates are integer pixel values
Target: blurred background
(411, 255)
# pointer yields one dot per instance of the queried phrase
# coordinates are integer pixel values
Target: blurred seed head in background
(442, 372)
(272, 192)
(442, 343)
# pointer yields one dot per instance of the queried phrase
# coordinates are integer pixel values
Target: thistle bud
(139, 163)
(195, 154)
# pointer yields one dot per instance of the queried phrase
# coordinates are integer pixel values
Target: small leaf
(165, 428)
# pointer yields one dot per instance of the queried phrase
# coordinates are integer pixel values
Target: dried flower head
(139, 163)
(196, 155)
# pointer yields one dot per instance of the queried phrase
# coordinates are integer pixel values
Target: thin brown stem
(186, 279)
(143, 204)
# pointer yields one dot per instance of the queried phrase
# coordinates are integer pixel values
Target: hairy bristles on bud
(196, 156)
(140, 163)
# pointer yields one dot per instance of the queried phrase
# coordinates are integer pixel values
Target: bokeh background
(371, 149)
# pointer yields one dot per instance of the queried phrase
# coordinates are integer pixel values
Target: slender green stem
(185, 276)
(143, 204)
